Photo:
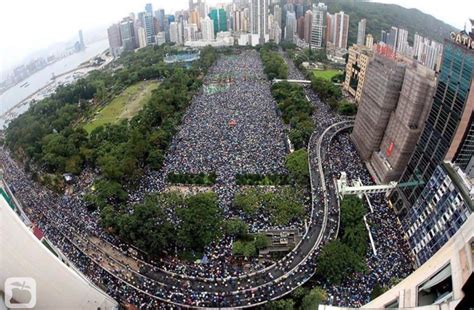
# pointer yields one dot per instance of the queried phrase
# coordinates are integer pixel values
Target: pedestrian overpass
(303, 82)
(358, 188)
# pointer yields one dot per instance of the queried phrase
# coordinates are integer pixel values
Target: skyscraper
(207, 26)
(369, 41)
(405, 124)
(115, 41)
(382, 85)
(160, 17)
(392, 38)
(127, 34)
(259, 19)
(277, 15)
(174, 33)
(290, 27)
(383, 36)
(361, 31)
(342, 30)
(308, 19)
(448, 124)
(149, 9)
(318, 31)
(330, 28)
(141, 37)
(148, 23)
(300, 27)
(402, 41)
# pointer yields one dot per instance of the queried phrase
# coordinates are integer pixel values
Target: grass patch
(124, 106)
(326, 74)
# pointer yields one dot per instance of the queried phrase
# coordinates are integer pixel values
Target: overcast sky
(30, 25)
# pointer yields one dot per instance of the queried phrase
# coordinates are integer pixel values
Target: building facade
(342, 30)
(405, 125)
(127, 34)
(443, 207)
(115, 40)
(259, 20)
(452, 106)
(382, 85)
(318, 27)
(361, 32)
(356, 68)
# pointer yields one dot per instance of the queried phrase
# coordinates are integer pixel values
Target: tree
(337, 261)
(282, 304)
(200, 221)
(297, 165)
(312, 300)
(236, 228)
(261, 241)
(376, 291)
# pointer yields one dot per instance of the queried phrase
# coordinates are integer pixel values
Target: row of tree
(148, 227)
(281, 205)
(332, 95)
(189, 178)
(274, 65)
(340, 258)
(296, 111)
(302, 298)
(258, 179)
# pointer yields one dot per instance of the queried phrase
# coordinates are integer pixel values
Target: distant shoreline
(9, 114)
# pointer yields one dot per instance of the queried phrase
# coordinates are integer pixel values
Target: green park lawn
(124, 106)
(326, 74)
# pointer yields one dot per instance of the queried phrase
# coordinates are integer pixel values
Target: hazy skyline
(39, 24)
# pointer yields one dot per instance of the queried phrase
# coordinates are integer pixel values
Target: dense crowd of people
(235, 130)
(391, 262)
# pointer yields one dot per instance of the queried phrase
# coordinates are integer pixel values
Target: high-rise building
(299, 10)
(402, 41)
(361, 31)
(115, 40)
(127, 34)
(148, 23)
(417, 45)
(405, 124)
(160, 17)
(194, 18)
(259, 20)
(149, 9)
(448, 123)
(300, 27)
(445, 204)
(318, 30)
(330, 28)
(207, 26)
(369, 41)
(356, 68)
(382, 85)
(308, 19)
(141, 37)
(383, 36)
(342, 30)
(219, 19)
(174, 33)
(290, 27)
(160, 38)
(277, 15)
(392, 38)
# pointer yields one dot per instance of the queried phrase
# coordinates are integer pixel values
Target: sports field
(124, 106)
(326, 74)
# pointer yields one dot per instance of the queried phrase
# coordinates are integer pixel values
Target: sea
(16, 94)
